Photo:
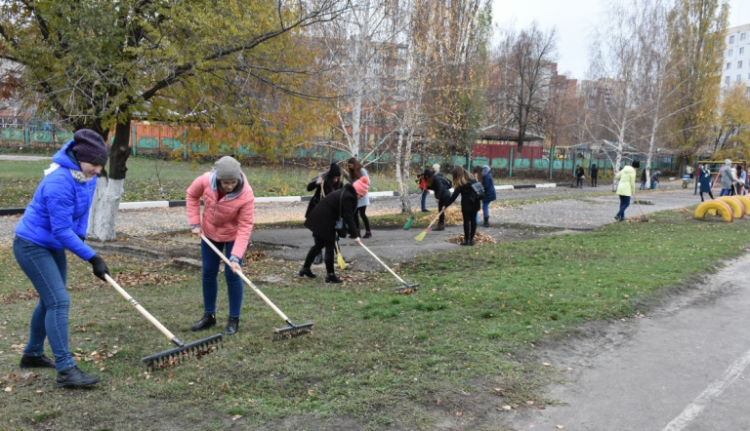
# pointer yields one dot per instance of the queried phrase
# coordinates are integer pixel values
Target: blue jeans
(486, 209)
(210, 271)
(48, 271)
(724, 192)
(624, 204)
(424, 199)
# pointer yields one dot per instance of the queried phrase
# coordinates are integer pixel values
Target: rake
(169, 357)
(421, 236)
(643, 215)
(406, 288)
(290, 331)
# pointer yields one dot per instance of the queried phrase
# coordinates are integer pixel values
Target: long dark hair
(354, 168)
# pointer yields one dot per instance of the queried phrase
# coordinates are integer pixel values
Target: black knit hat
(334, 171)
(88, 146)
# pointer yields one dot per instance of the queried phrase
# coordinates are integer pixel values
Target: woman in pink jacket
(228, 213)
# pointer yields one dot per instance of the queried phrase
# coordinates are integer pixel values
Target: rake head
(292, 331)
(183, 352)
(407, 289)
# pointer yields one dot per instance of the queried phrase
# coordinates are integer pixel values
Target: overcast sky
(574, 21)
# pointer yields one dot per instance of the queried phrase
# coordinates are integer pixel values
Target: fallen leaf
(9, 389)
(560, 427)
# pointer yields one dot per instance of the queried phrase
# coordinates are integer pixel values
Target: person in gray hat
(228, 217)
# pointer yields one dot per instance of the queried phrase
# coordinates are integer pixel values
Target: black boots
(331, 278)
(207, 321)
(305, 272)
(36, 362)
(440, 226)
(74, 378)
(486, 222)
(231, 327)
(468, 243)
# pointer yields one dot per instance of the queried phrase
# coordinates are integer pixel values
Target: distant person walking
(626, 187)
(594, 172)
(484, 175)
(727, 177)
(704, 178)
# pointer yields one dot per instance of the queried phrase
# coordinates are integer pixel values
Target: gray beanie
(227, 168)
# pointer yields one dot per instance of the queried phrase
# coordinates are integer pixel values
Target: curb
(182, 203)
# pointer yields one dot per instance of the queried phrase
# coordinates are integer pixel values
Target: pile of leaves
(254, 256)
(146, 278)
(479, 238)
(452, 216)
(97, 356)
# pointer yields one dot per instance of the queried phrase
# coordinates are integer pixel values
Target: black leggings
(442, 204)
(321, 243)
(470, 221)
(361, 213)
(709, 193)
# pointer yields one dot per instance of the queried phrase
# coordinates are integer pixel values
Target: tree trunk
(109, 190)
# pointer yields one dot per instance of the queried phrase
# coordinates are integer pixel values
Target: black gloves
(100, 268)
(82, 238)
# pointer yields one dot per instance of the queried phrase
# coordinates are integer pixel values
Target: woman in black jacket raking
(323, 184)
(341, 203)
(462, 181)
(436, 182)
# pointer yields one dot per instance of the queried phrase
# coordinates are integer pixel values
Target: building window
(742, 36)
(739, 78)
(730, 52)
(731, 39)
(741, 51)
(729, 66)
(726, 80)
(739, 64)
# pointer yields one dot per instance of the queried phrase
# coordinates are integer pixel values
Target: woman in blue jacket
(55, 221)
(484, 174)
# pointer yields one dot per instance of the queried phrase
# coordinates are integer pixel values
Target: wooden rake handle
(436, 218)
(384, 265)
(242, 276)
(142, 310)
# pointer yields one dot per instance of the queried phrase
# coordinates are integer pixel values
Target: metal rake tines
(197, 349)
(290, 332)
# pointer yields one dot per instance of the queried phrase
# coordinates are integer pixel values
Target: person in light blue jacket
(56, 220)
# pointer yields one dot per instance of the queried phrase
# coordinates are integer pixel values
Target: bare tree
(525, 65)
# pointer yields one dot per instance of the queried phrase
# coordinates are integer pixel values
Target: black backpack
(477, 191)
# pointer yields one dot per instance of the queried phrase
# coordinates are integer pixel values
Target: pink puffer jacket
(228, 219)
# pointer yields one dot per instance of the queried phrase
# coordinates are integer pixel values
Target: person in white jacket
(626, 187)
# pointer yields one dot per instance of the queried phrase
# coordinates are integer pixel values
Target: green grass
(375, 360)
(18, 180)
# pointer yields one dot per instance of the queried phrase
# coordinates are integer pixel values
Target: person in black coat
(594, 172)
(462, 180)
(341, 203)
(441, 186)
(323, 184)
(579, 176)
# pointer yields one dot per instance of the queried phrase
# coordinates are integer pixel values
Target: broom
(290, 331)
(406, 288)
(409, 222)
(421, 236)
(173, 356)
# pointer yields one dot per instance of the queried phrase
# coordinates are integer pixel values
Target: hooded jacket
(627, 181)
(322, 219)
(59, 211)
(327, 186)
(488, 184)
(227, 219)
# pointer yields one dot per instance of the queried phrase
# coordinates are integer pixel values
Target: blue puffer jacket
(59, 211)
(488, 184)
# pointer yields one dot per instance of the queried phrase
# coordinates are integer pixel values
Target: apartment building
(736, 66)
